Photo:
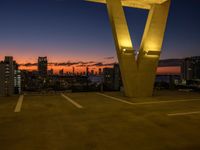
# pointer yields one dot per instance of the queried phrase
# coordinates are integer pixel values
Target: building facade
(7, 76)
(112, 78)
(191, 68)
(17, 79)
(42, 66)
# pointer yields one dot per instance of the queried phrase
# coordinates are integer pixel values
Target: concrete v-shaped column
(123, 43)
(138, 75)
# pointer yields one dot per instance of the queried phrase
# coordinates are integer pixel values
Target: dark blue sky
(78, 30)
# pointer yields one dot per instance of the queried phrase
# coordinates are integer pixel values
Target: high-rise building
(92, 72)
(112, 78)
(117, 77)
(50, 72)
(8, 72)
(87, 71)
(61, 72)
(191, 68)
(17, 79)
(3, 82)
(42, 66)
(108, 74)
(73, 70)
(100, 71)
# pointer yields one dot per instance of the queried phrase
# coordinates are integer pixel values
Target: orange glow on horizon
(56, 69)
(169, 70)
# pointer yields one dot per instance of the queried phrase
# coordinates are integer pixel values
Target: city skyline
(52, 28)
(81, 66)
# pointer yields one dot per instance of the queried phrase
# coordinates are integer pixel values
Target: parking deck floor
(100, 121)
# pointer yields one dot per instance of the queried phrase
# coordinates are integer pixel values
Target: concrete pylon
(138, 76)
(124, 47)
(150, 48)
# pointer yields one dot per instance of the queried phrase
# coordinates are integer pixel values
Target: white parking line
(114, 98)
(19, 104)
(169, 101)
(184, 113)
(72, 101)
(147, 103)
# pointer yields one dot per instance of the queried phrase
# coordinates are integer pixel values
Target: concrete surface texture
(52, 122)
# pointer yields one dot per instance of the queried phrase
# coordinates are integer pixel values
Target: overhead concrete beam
(138, 76)
(141, 4)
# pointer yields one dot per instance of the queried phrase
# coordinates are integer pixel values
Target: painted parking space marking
(147, 103)
(116, 99)
(72, 101)
(169, 101)
(19, 104)
(184, 113)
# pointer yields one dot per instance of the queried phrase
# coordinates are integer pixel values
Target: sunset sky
(75, 30)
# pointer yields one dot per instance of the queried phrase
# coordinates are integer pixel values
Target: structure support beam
(150, 49)
(138, 75)
(124, 46)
